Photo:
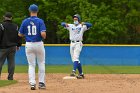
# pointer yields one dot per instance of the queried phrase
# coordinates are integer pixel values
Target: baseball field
(98, 79)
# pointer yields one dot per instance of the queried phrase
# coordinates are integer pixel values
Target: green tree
(114, 21)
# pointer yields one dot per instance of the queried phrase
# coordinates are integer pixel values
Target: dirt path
(93, 83)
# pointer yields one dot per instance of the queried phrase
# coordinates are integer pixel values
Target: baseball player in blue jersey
(34, 30)
(76, 32)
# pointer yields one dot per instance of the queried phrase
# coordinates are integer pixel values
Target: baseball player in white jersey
(34, 30)
(76, 32)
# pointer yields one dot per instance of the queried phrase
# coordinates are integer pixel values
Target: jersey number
(32, 31)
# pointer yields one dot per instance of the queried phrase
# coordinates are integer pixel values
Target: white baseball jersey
(76, 32)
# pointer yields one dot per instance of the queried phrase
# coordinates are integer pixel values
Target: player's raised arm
(87, 24)
(64, 24)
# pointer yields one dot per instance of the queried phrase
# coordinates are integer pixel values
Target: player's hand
(82, 23)
(67, 25)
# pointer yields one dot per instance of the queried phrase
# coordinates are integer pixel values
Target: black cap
(8, 14)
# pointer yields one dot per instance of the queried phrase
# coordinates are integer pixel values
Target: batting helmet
(77, 16)
(33, 8)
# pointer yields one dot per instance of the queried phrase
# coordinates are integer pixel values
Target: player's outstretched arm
(64, 24)
(87, 24)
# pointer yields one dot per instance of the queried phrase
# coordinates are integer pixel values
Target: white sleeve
(69, 27)
(85, 28)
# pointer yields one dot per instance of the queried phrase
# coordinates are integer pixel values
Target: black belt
(75, 41)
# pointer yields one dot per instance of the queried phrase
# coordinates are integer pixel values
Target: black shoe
(10, 77)
(80, 76)
(33, 87)
(73, 74)
(41, 85)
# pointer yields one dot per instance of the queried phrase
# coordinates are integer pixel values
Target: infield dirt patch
(93, 83)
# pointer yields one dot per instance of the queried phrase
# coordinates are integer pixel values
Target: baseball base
(69, 77)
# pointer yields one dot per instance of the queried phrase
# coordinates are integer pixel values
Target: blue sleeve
(42, 26)
(88, 24)
(22, 29)
(63, 24)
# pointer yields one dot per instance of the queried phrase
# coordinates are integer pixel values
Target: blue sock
(75, 65)
(80, 68)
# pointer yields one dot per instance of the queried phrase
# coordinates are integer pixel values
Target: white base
(69, 77)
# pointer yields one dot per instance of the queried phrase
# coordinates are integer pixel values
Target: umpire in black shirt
(9, 43)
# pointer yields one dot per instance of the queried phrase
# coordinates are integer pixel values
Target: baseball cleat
(80, 76)
(41, 85)
(33, 87)
(73, 74)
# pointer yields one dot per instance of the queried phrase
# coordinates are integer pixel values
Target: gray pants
(9, 54)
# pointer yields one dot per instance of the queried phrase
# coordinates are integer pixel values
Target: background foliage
(114, 21)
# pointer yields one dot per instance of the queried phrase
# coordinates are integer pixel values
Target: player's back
(31, 28)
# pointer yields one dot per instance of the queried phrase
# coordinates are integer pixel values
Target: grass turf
(87, 69)
(7, 82)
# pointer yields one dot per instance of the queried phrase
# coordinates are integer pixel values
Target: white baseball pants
(35, 52)
(75, 49)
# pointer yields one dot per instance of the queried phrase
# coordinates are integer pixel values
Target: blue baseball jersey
(32, 27)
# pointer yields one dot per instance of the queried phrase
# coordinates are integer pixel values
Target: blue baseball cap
(33, 8)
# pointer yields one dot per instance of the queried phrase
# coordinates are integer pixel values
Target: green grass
(88, 69)
(7, 82)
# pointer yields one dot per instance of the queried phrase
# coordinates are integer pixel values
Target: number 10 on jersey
(32, 30)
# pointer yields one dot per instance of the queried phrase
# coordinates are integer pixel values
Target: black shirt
(9, 36)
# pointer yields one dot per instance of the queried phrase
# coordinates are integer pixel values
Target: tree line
(114, 21)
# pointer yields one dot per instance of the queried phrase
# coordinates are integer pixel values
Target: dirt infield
(93, 83)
